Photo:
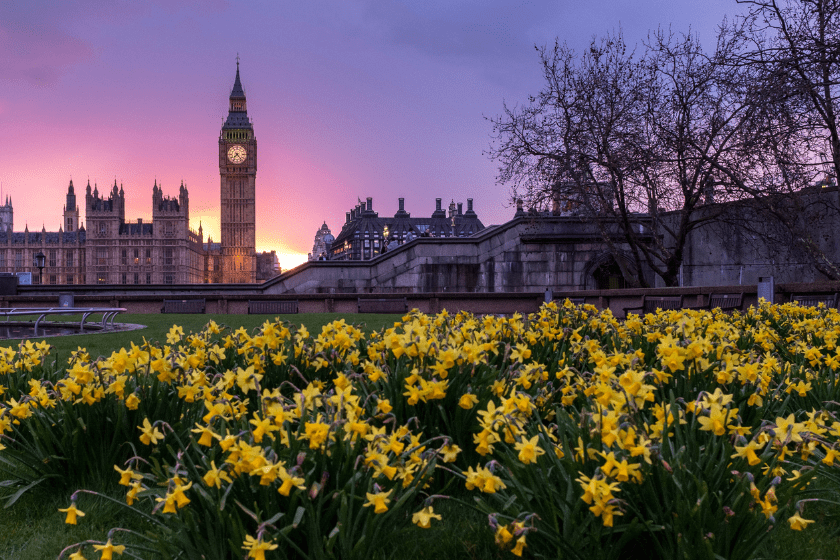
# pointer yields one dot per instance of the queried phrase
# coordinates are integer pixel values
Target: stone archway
(604, 273)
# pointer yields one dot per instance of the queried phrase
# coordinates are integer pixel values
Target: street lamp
(384, 239)
(40, 260)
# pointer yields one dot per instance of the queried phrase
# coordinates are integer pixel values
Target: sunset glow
(348, 100)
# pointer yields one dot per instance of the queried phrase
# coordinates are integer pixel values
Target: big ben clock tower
(238, 169)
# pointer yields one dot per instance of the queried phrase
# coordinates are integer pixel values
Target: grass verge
(157, 325)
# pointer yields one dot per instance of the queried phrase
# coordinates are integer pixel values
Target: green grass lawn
(34, 529)
(157, 325)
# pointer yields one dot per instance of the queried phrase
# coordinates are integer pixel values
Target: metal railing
(108, 313)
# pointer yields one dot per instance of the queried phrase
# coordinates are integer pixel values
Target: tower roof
(237, 92)
(238, 114)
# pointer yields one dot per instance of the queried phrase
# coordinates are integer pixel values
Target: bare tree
(796, 43)
(790, 52)
(634, 143)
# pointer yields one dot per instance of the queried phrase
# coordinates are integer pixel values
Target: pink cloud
(39, 54)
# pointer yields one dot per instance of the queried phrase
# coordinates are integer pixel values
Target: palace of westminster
(110, 250)
(165, 251)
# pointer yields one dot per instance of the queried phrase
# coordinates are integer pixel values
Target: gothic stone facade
(165, 251)
(111, 250)
(238, 170)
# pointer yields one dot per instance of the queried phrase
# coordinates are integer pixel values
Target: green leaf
(298, 516)
(22, 491)
(274, 518)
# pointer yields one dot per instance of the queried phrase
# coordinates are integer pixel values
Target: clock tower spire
(238, 170)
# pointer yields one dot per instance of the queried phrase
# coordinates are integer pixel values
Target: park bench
(650, 304)
(272, 307)
(725, 302)
(383, 305)
(813, 300)
(182, 306)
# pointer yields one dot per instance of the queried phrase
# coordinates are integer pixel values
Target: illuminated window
(101, 278)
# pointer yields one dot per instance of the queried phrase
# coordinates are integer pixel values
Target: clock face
(236, 154)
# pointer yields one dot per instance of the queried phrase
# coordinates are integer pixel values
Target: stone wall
(524, 255)
(744, 245)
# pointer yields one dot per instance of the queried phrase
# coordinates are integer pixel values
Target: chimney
(370, 203)
(460, 208)
(347, 219)
(402, 205)
(437, 205)
(469, 205)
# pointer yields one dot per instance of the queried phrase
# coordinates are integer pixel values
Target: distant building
(238, 171)
(163, 251)
(6, 215)
(213, 271)
(110, 250)
(364, 233)
(323, 241)
(268, 265)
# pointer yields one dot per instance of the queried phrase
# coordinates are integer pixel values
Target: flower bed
(685, 434)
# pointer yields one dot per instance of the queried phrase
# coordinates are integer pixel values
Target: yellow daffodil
(108, 549)
(72, 514)
(529, 450)
(423, 518)
(797, 523)
(379, 501)
(519, 547)
(467, 401)
(257, 547)
(151, 435)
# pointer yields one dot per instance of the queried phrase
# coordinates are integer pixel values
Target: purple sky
(349, 99)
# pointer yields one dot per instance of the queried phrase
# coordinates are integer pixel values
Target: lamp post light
(40, 260)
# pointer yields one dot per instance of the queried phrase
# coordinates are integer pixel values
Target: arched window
(608, 276)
